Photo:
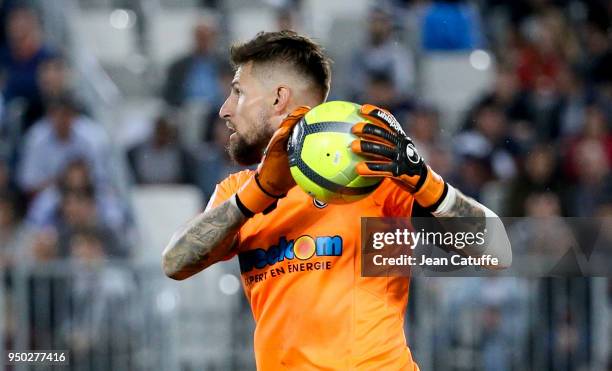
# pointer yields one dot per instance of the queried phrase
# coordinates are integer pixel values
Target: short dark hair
(289, 47)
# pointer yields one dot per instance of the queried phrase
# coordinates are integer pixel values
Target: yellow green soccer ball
(320, 156)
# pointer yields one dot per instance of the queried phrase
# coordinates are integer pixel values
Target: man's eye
(236, 91)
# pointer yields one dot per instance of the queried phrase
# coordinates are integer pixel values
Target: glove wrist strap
(245, 211)
(253, 198)
(432, 191)
(264, 190)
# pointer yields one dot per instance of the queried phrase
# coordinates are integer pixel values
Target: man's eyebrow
(234, 84)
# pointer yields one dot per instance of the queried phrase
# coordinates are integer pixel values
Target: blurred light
(166, 301)
(122, 19)
(229, 284)
(480, 60)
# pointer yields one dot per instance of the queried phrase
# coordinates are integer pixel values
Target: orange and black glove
(272, 179)
(393, 155)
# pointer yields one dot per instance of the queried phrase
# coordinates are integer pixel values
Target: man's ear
(281, 101)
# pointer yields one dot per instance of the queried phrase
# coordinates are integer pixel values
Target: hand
(272, 180)
(393, 155)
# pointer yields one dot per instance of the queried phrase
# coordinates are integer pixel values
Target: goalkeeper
(327, 316)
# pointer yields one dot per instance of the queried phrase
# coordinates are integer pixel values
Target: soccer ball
(320, 157)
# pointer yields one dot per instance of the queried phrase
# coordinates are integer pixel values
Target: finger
(300, 111)
(294, 117)
(374, 149)
(278, 142)
(286, 127)
(375, 168)
(282, 134)
(381, 117)
(367, 130)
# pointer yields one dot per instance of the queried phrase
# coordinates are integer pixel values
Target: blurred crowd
(539, 135)
(539, 140)
(55, 170)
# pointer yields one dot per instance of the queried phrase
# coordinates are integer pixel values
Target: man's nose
(224, 111)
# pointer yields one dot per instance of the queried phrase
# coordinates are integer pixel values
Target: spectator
(451, 25)
(573, 104)
(161, 158)
(13, 233)
(595, 60)
(489, 142)
(504, 303)
(495, 343)
(595, 131)
(100, 321)
(539, 173)
(506, 94)
(542, 205)
(594, 178)
(424, 128)
(44, 209)
(544, 50)
(14, 236)
(78, 210)
(440, 154)
(472, 173)
(44, 247)
(597, 56)
(383, 54)
(195, 76)
(213, 162)
(24, 53)
(53, 82)
(381, 90)
(543, 234)
(539, 55)
(60, 137)
(570, 340)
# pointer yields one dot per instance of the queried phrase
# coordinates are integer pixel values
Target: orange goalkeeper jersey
(301, 272)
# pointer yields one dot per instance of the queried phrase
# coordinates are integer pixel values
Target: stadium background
(509, 100)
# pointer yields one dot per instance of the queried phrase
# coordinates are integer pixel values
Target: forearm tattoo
(467, 216)
(206, 238)
(465, 207)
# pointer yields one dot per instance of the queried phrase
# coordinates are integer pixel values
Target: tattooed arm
(475, 218)
(203, 241)
(465, 206)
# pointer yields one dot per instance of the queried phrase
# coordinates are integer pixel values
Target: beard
(249, 152)
(245, 153)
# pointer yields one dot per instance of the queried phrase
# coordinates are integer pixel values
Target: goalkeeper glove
(393, 155)
(272, 179)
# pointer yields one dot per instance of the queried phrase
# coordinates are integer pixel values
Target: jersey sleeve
(223, 191)
(227, 187)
